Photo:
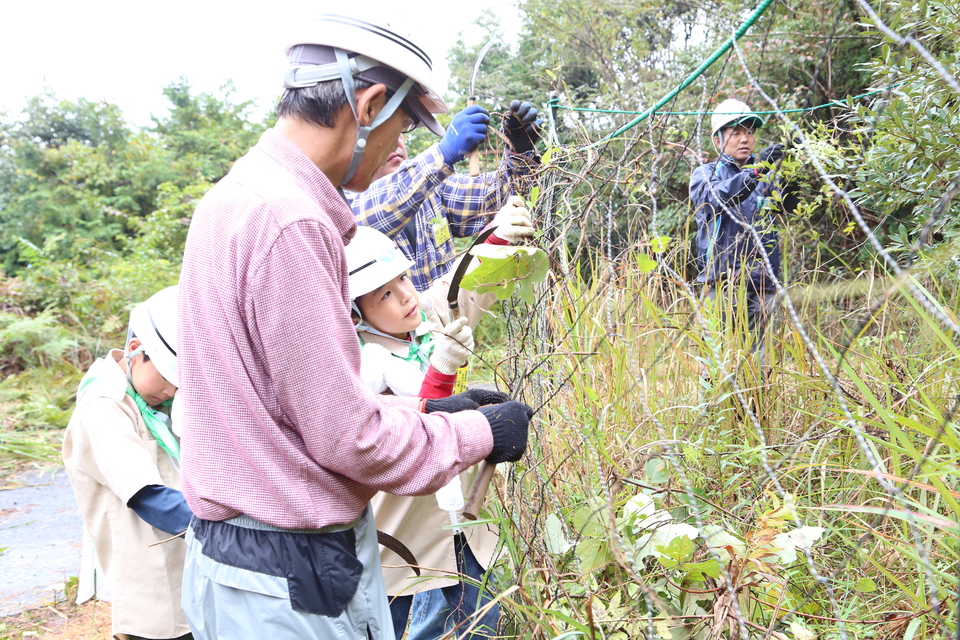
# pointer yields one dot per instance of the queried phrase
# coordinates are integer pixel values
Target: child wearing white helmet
(403, 349)
(122, 458)
(410, 348)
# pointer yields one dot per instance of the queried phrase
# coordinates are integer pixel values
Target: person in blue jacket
(730, 195)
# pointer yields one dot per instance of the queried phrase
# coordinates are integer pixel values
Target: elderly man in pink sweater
(283, 446)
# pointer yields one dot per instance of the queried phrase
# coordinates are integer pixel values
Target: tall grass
(643, 389)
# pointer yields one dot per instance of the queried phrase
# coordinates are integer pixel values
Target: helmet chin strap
(363, 326)
(129, 357)
(363, 132)
(719, 134)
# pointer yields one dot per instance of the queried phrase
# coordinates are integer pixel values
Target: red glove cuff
(436, 385)
(493, 238)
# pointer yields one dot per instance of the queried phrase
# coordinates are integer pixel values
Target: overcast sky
(125, 52)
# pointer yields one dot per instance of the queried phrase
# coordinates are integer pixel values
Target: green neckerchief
(420, 347)
(159, 427)
(419, 353)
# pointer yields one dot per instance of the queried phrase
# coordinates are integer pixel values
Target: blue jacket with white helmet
(725, 196)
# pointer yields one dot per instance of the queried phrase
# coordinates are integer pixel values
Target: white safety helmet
(154, 323)
(373, 260)
(334, 46)
(730, 113)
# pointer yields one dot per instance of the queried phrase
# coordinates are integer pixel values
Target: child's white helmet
(154, 323)
(373, 260)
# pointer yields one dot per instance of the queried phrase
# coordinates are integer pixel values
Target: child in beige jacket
(412, 348)
(122, 458)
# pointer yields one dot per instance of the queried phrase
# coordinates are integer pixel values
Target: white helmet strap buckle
(311, 75)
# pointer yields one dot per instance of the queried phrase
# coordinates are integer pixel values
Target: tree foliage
(603, 57)
(75, 178)
(910, 134)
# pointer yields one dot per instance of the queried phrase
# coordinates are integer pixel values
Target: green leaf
(679, 550)
(592, 395)
(554, 537)
(659, 243)
(657, 470)
(590, 519)
(534, 196)
(545, 158)
(866, 585)
(593, 554)
(697, 571)
(645, 264)
(911, 631)
(503, 269)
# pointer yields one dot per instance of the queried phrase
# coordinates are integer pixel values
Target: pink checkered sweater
(276, 422)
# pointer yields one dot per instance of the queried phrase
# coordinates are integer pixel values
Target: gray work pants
(246, 579)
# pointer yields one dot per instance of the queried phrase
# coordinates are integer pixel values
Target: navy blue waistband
(321, 568)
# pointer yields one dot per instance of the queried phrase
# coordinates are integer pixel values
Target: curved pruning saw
(475, 154)
(480, 484)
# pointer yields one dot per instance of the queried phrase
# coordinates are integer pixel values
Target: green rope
(555, 103)
(693, 76)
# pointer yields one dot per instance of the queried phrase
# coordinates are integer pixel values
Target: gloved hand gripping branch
(513, 223)
(466, 131)
(508, 422)
(452, 346)
(469, 400)
(772, 153)
(521, 126)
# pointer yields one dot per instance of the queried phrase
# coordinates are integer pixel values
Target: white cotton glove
(453, 345)
(513, 221)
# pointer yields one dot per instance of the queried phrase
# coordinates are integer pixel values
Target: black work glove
(484, 397)
(521, 126)
(452, 404)
(508, 422)
(772, 153)
(469, 400)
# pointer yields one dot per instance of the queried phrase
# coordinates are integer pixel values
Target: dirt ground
(63, 621)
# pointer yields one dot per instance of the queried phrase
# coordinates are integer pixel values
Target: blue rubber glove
(466, 131)
(162, 507)
(521, 125)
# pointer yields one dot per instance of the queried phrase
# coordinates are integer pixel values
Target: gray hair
(319, 104)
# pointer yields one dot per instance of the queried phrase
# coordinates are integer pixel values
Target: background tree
(910, 168)
(75, 178)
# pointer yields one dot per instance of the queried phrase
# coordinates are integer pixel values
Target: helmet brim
(424, 106)
(750, 119)
(378, 274)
